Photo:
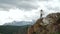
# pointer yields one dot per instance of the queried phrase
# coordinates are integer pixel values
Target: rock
(47, 25)
(53, 22)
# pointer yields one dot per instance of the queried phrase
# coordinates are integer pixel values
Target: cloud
(18, 15)
(53, 5)
(21, 4)
(17, 9)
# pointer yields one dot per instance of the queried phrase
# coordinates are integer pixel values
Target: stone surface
(47, 25)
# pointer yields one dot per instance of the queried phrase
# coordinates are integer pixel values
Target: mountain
(20, 23)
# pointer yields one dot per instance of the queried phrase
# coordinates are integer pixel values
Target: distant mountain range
(20, 23)
(16, 27)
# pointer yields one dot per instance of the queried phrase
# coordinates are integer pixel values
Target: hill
(14, 29)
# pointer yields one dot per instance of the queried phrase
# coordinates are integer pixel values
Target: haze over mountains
(20, 23)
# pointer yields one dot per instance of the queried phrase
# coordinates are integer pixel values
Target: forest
(14, 29)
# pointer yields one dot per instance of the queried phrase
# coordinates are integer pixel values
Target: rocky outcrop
(54, 20)
(47, 25)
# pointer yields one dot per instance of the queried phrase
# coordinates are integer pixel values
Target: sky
(26, 10)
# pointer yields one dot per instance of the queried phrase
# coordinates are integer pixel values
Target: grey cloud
(27, 6)
(22, 4)
(44, 0)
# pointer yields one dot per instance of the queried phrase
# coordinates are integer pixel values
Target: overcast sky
(26, 10)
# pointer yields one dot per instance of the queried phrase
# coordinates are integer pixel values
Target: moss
(57, 32)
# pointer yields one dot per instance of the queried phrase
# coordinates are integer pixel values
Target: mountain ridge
(20, 23)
